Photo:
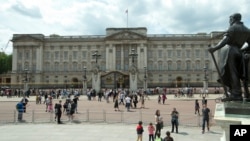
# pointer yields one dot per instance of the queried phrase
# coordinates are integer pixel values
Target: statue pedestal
(231, 113)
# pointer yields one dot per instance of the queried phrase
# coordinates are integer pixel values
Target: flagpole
(127, 17)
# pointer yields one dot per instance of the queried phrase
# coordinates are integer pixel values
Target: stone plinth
(231, 113)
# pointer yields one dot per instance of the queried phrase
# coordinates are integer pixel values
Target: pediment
(126, 35)
(27, 37)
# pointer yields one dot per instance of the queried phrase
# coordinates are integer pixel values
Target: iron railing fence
(100, 116)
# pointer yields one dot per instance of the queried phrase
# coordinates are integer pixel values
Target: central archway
(115, 80)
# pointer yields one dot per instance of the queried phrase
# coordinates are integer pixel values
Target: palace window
(179, 65)
(65, 54)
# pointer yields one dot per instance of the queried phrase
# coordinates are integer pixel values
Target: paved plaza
(89, 131)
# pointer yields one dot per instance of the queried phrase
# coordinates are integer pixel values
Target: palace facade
(123, 58)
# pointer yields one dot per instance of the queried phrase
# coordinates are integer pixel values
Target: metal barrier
(99, 116)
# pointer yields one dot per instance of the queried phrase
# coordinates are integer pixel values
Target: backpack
(158, 139)
(19, 106)
(168, 139)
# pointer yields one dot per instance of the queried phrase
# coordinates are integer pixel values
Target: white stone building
(165, 60)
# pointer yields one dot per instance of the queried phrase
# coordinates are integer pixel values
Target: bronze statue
(233, 64)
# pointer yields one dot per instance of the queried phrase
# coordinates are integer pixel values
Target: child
(151, 130)
(139, 130)
(159, 99)
(197, 107)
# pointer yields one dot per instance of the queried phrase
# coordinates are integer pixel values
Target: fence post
(198, 119)
(122, 117)
(87, 115)
(104, 115)
(15, 118)
(33, 116)
(51, 116)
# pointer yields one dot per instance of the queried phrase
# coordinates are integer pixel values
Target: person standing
(159, 99)
(205, 118)
(76, 99)
(139, 130)
(25, 103)
(142, 101)
(58, 110)
(197, 107)
(158, 122)
(164, 97)
(128, 102)
(168, 137)
(204, 100)
(151, 130)
(174, 120)
(20, 109)
(100, 94)
(72, 110)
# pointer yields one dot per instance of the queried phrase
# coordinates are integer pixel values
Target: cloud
(32, 12)
(92, 17)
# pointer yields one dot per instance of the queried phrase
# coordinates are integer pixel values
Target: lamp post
(96, 56)
(145, 78)
(205, 83)
(133, 55)
(84, 80)
(25, 81)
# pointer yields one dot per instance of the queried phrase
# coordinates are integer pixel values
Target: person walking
(174, 120)
(158, 122)
(168, 137)
(139, 130)
(116, 104)
(197, 107)
(151, 130)
(205, 118)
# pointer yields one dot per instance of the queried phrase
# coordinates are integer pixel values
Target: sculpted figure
(232, 61)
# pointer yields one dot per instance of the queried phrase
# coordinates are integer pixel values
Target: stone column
(14, 58)
(133, 78)
(96, 79)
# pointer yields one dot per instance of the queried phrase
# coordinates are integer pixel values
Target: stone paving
(102, 131)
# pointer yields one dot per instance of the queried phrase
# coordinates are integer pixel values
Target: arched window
(170, 67)
(188, 65)
(160, 65)
(197, 65)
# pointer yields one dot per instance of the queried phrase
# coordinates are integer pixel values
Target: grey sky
(92, 17)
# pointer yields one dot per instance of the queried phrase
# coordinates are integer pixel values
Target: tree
(5, 62)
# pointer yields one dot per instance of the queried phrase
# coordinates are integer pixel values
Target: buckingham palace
(123, 58)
